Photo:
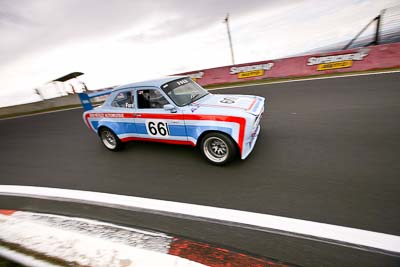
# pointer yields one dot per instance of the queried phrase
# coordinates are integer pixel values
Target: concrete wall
(360, 59)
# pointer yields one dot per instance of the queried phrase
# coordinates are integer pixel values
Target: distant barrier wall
(368, 58)
(41, 105)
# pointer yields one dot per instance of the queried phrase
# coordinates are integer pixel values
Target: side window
(123, 100)
(151, 98)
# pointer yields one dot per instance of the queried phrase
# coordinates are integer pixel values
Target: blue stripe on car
(193, 131)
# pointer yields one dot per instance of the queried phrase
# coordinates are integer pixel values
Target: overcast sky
(116, 42)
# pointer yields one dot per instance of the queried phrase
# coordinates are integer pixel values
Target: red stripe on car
(252, 104)
(167, 141)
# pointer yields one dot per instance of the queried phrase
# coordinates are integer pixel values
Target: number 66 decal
(157, 128)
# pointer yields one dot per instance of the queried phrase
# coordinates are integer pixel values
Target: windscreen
(184, 91)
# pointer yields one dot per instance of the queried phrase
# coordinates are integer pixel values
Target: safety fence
(383, 29)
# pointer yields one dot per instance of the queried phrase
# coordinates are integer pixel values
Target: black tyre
(218, 148)
(110, 140)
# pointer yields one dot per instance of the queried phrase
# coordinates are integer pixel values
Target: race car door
(153, 122)
(122, 120)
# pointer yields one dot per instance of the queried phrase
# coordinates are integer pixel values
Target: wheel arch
(112, 126)
(103, 127)
(203, 134)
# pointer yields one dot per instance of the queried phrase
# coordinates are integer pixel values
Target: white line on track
(334, 234)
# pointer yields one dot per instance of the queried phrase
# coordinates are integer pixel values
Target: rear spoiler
(85, 98)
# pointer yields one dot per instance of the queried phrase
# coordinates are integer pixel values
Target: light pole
(230, 38)
(37, 91)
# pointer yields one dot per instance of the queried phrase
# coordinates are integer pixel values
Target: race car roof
(150, 83)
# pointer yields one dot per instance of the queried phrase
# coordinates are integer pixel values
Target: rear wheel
(218, 148)
(110, 140)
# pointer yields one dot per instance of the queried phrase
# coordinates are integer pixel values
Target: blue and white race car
(176, 110)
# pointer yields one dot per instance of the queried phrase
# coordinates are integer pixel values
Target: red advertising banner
(367, 58)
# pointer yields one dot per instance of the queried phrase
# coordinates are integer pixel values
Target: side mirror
(170, 108)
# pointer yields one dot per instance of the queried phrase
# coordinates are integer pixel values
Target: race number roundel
(158, 128)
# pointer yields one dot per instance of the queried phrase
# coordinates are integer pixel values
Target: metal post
(72, 87)
(378, 22)
(230, 38)
(355, 38)
(378, 27)
(37, 91)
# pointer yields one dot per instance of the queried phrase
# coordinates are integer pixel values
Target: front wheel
(218, 148)
(110, 140)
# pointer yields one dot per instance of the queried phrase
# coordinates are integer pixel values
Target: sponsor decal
(106, 115)
(335, 65)
(196, 76)
(251, 70)
(336, 61)
(194, 107)
(182, 82)
(228, 100)
(249, 74)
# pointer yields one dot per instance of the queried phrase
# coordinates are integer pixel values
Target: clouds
(29, 26)
(36, 26)
(182, 17)
(125, 40)
(10, 15)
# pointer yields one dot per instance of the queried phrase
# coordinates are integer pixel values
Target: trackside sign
(336, 61)
(251, 70)
(196, 76)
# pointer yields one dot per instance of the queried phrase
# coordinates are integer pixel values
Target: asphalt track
(328, 151)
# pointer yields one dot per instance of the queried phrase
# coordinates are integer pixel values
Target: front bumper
(252, 135)
(250, 143)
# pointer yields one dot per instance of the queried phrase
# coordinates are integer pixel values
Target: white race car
(176, 110)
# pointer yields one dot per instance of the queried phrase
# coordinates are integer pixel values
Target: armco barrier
(368, 58)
